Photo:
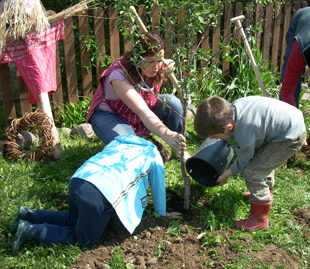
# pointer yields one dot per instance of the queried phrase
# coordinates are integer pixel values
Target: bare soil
(154, 246)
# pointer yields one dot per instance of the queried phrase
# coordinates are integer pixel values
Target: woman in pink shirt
(127, 100)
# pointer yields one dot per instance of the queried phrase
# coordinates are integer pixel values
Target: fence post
(6, 90)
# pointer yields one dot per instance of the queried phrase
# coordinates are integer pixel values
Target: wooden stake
(248, 49)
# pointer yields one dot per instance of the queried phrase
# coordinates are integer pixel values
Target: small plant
(210, 240)
(175, 229)
(74, 114)
(159, 250)
(117, 261)
(210, 221)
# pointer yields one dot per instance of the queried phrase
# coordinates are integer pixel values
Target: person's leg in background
(289, 45)
(169, 111)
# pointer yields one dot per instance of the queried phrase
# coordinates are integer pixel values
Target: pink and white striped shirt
(118, 106)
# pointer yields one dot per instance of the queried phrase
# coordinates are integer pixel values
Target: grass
(44, 185)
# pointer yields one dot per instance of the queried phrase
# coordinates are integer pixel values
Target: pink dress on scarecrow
(35, 59)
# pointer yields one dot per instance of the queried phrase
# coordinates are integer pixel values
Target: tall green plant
(245, 83)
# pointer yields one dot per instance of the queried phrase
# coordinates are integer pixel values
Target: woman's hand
(170, 64)
(135, 102)
(174, 215)
(175, 140)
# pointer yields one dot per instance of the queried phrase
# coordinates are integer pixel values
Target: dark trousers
(83, 224)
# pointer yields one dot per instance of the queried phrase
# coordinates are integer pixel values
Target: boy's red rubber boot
(258, 219)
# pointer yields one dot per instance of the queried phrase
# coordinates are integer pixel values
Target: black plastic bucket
(210, 161)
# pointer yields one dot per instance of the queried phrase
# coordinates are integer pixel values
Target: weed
(74, 114)
(175, 228)
(159, 250)
(210, 240)
(117, 261)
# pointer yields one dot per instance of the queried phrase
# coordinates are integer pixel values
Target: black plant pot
(210, 161)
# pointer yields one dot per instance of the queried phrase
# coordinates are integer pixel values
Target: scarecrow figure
(29, 41)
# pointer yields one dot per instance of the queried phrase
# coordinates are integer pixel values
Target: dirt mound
(155, 245)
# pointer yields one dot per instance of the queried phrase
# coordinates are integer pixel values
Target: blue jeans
(107, 125)
(83, 224)
(289, 45)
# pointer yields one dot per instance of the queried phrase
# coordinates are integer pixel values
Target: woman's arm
(136, 103)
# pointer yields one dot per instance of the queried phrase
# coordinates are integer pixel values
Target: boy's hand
(226, 138)
(223, 178)
(174, 215)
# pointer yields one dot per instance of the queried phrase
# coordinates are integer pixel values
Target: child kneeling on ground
(267, 132)
(115, 180)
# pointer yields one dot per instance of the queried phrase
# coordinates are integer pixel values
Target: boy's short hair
(212, 116)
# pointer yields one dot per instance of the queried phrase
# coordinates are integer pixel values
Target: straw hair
(36, 21)
(19, 17)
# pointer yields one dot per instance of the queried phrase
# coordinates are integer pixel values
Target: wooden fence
(74, 81)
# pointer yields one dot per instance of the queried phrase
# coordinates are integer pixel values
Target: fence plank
(23, 92)
(57, 97)
(267, 31)
(237, 34)
(238, 12)
(114, 34)
(249, 22)
(167, 37)
(286, 23)
(205, 42)
(127, 43)
(99, 39)
(85, 56)
(156, 11)
(216, 40)
(142, 13)
(70, 62)
(182, 32)
(259, 23)
(7, 93)
(276, 37)
(227, 35)
(249, 19)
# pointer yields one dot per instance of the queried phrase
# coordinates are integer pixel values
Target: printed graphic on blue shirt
(144, 201)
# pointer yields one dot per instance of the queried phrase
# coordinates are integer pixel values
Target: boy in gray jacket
(267, 132)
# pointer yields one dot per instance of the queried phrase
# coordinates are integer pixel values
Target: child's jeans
(88, 215)
(259, 175)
